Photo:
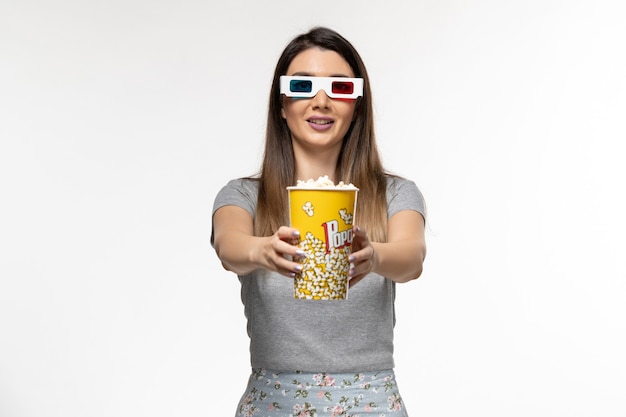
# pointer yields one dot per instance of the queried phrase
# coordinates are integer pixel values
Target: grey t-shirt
(350, 335)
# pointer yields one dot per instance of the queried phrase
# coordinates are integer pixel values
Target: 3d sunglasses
(307, 87)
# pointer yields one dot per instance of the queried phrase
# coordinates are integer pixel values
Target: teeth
(320, 122)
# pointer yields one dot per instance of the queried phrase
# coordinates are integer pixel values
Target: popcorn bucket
(324, 217)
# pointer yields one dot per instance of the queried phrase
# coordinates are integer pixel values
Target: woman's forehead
(319, 63)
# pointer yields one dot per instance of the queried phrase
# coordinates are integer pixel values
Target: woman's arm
(400, 258)
(241, 252)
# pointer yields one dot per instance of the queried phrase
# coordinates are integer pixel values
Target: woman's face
(318, 123)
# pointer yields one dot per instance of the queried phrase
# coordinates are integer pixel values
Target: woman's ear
(282, 107)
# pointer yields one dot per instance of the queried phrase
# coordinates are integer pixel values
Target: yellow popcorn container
(324, 217)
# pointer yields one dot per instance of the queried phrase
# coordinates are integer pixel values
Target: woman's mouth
(320, 121)
(320, 124)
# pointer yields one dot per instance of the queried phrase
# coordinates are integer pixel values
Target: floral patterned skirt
(299, 394)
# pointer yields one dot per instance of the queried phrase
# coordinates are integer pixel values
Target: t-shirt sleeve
(403, 194)
(241, 193)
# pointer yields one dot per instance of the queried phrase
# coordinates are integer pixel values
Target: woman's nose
(320, 99)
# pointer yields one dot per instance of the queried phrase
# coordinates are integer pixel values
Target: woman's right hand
(279, 250)
(241, 252)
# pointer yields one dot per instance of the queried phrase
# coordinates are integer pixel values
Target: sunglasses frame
(320, 83)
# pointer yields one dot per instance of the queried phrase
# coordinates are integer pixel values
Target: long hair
(359, 160)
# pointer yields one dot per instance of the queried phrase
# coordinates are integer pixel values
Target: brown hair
(359, 160)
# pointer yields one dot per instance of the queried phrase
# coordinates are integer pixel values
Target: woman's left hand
(363, 257)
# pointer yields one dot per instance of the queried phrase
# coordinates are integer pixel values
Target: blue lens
(300, 86)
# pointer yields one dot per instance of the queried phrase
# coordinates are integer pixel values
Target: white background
(120, 121)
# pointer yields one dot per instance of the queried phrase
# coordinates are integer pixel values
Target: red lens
(342, 87)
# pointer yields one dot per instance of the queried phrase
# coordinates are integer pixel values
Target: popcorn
(324, 213)
(323, 182)
(324, 274)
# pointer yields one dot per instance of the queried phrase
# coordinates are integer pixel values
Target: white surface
(119, 122)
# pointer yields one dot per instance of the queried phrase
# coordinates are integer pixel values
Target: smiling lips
(320, 123)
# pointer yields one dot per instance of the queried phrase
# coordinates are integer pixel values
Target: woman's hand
(241, 252)
(362, 258)
(400, 259)
(279, 250)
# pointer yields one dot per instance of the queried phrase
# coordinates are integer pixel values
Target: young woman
(320, 358)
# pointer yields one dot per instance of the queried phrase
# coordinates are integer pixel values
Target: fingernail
(357, 228)
(351, 258)
(351, 272)
(296, 233)
(298, 268)
(300, 252)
